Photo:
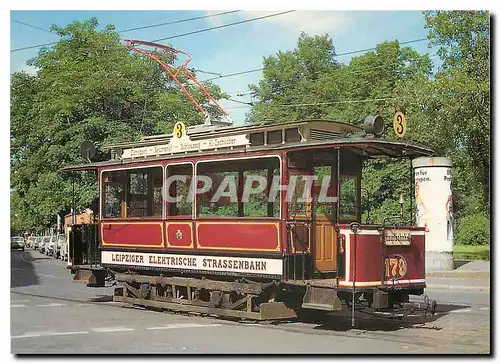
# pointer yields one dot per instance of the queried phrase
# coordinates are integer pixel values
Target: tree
(87, 87)
(452, 111)
(301, 76)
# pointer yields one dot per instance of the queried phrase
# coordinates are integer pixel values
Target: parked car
(61, 239)
(17, 242)
(64, 250)
(36, 243)
(30, 241)
(45, 241)
(50, 246)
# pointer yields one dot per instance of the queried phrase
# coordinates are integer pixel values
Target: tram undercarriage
(258, 301)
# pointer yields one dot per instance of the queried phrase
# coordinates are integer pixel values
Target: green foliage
(87, 87)
(473, 230)
(452, 111)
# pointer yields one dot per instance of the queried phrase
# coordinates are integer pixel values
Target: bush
(473, 230)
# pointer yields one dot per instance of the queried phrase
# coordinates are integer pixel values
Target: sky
(231, 49)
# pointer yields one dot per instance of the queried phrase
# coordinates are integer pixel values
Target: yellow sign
(400, 124)
(179, 130)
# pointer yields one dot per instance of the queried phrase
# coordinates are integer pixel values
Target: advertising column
(434, 210)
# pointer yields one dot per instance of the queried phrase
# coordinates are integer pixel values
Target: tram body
(261, 258)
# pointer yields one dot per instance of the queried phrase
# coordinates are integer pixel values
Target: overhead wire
(223, 26)
(336, 55)
(177, 21)
(31, 26)
(121, 31)
(319, 103)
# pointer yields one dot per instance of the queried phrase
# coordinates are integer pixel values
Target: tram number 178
(395, 267)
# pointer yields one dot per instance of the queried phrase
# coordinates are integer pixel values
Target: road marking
(461, 310)
(49, 275)
(16, 301)
(11, 306)
(47, 333)
(52, 305)
(111, 329)
(181, 326)
(83, 304)
(484, 308)
(22, 258)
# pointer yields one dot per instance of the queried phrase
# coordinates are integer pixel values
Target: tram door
(323, 210)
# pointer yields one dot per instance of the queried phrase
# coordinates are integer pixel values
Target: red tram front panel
(238, 236)
(179, 235)
(378, 264)
(133, 234)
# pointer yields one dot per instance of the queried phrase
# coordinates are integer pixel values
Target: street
(51, 314)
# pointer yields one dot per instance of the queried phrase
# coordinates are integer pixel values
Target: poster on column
(434, 207)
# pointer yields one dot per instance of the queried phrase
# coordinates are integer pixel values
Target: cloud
(23, 67)
(311, 22)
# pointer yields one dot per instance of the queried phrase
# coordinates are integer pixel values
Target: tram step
(82, 276)
(318, 306)
(319, 298)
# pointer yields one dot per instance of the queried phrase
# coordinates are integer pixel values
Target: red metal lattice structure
(174, 73)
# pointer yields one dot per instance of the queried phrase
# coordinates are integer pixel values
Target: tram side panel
(232, 248)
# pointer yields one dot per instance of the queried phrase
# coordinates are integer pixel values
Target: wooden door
(325, 243)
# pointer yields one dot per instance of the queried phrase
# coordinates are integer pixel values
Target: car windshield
(17, 239)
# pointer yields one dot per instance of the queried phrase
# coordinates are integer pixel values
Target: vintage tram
(258, 221)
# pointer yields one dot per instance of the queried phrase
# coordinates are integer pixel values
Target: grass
(471, 252)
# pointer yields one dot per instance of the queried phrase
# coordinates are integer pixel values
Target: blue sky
(235, 48)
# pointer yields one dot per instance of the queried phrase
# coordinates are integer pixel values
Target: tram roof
(366, 147)
(197, 132)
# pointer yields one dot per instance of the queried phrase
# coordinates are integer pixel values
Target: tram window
(257, 139)
(258, 204)
(292, 135)
(133, 193)
(226, 196)
(141, 196)
(178, 190)
(222, 198)
(348, 200)
(274, 137)
(114, 187)
(299, 206)
(158, 192)
(322, 185)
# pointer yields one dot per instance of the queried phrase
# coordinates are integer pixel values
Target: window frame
(357, 198)
(166, 216)
(102, 186)
(266, 156)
